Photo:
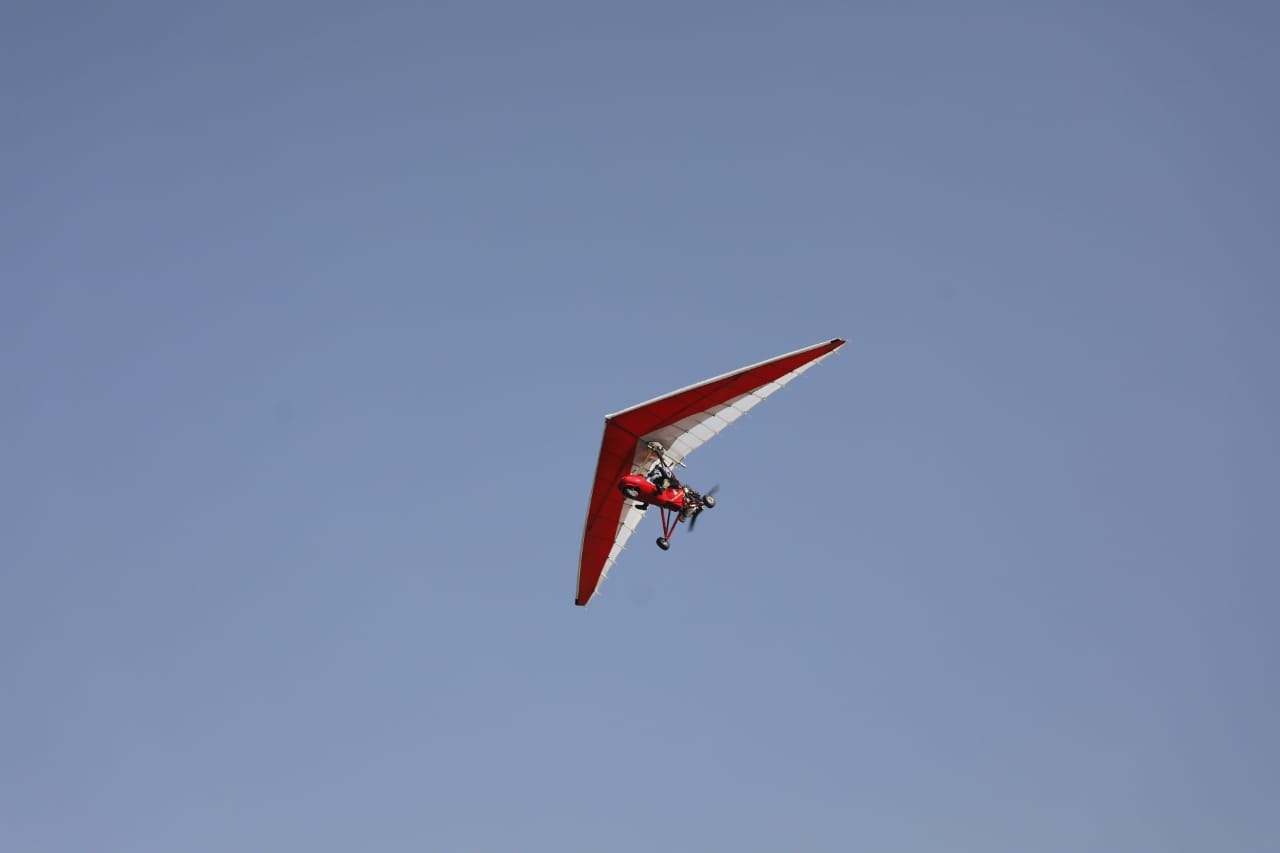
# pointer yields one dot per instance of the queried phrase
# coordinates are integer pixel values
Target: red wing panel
(607, 511)
(706, 396)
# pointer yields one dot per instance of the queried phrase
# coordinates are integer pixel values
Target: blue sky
(310, 315)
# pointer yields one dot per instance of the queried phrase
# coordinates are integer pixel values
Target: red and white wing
(682, 421)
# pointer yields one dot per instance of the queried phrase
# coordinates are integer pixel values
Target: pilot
(662, 477)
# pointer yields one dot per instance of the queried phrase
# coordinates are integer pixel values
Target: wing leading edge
(683, 421)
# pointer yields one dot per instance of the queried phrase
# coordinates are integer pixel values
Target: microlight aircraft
(643, 445)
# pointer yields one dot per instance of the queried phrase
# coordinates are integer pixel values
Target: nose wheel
(663, 543)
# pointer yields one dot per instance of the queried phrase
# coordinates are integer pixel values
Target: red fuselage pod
(636, 487)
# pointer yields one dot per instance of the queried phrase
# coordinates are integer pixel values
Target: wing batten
(682, 421)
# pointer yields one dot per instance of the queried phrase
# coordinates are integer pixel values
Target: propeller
(706, 504)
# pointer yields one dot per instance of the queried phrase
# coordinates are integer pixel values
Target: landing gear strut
(670, 518)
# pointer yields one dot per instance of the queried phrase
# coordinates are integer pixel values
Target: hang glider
(643, 445)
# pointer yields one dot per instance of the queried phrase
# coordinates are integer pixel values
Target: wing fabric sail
(682, 421)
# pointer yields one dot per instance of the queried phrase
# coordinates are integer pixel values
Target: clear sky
(310, 314)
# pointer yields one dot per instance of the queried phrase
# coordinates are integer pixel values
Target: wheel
(708, 501)
(663, 543)
(631, 492)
